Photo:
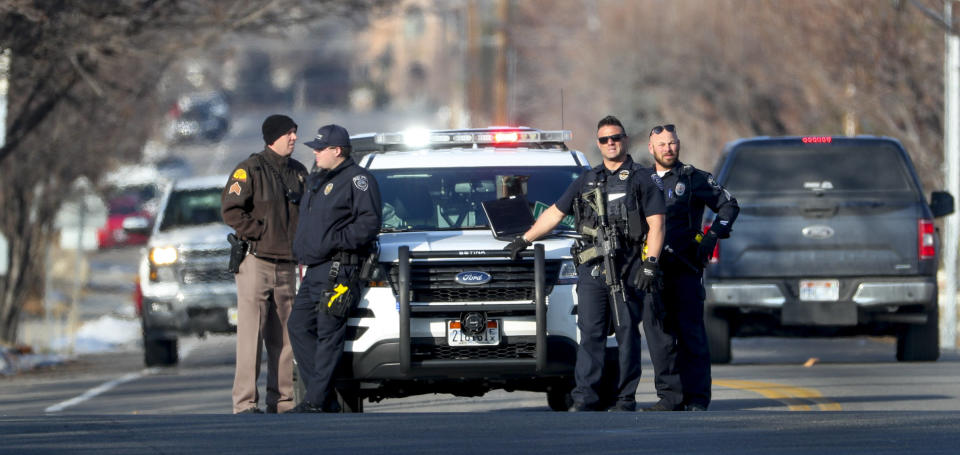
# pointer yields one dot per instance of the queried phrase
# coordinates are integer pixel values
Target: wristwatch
(652, 259)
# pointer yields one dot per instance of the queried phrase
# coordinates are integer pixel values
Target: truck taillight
(925, 240)
(715, 256)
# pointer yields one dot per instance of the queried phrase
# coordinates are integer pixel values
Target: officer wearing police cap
(635, 209)
(339, 222)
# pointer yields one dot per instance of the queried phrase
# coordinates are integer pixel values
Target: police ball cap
(275, 126)
(330, 136)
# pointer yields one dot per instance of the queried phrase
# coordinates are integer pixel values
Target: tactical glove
(706, 247)
(516, 246)
(648, 277)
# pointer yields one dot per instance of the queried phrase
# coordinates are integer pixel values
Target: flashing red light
(506, 136)
(816, 140)
(925, 241)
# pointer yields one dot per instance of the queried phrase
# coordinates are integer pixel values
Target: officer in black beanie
(260, 202)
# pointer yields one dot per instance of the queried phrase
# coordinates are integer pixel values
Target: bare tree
(83, 81)
(726, 69)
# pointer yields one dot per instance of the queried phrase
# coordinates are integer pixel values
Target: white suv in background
(184, 284)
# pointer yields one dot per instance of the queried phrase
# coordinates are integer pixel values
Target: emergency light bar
(505, 136)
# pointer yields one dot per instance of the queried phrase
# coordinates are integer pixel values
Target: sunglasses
(615, 138)
(659, 129)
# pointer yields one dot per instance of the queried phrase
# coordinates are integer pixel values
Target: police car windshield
(192, 207)
(450, 198)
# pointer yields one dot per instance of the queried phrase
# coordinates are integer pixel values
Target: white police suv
(447, 310)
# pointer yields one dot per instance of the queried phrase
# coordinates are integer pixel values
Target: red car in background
(128, 223)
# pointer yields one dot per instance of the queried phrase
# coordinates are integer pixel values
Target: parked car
(127, 223)
(834, 238)
(184, 284)
(199, 117)
(132, 195)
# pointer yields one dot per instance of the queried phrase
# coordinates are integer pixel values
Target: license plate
(232, 316)
(820, 290)
(456, 337)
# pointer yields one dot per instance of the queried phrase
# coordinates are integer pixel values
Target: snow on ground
(106, 333)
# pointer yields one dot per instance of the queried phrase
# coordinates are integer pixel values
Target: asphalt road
(767, 401)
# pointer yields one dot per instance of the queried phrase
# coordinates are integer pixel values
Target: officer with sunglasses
(686, 251)
(634, 207)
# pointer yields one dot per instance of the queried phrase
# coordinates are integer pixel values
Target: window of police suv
(450, 198)
(850, 168)
(191, 208)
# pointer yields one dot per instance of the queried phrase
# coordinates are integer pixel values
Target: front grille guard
(540, 300)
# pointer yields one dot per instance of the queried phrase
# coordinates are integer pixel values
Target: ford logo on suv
(472, 278)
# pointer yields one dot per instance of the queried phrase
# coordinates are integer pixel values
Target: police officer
(687, 190)
(635, 209)
(339, 222)
(260, 203)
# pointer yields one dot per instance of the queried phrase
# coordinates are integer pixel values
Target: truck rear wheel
(718, 337)
(920, 342)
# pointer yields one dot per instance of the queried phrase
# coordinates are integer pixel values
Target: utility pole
(501, 46)
(951, 160)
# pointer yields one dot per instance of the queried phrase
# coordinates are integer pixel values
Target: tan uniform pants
(265, 292)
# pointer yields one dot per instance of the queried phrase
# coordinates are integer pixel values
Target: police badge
(681, 188)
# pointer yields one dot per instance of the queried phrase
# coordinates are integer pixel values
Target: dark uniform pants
(594, 313)
(683, 298)
(317, 337)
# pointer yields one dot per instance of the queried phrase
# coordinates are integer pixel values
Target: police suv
(447, 311)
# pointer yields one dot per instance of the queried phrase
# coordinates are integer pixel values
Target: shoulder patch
(361, 182)
(235, 188)
(711, 181)
(657, 180)
(240, 175)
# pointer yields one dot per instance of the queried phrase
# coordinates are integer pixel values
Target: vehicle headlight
(163, 255)
(568, 273)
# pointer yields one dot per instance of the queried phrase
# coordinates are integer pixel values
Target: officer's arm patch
(361, 183)
(240, 175)
(235, 188)
(657, 180)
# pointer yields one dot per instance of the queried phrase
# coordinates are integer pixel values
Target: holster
(238, 250)
(344, 293)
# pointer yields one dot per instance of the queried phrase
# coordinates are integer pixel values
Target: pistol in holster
(238, 250)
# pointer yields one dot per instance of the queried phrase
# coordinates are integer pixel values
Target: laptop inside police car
(508, 217)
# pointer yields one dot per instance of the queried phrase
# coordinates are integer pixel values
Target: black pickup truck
(834, 238)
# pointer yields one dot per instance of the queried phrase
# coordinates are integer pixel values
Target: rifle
(606, 244)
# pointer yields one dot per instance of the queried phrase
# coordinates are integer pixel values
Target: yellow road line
(796, 398)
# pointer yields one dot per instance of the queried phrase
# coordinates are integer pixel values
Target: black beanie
(275, 126)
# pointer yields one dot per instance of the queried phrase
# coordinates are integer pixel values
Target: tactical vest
(623, 209)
